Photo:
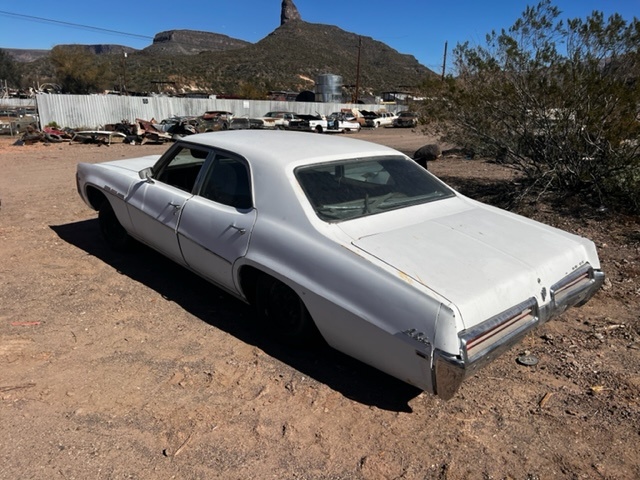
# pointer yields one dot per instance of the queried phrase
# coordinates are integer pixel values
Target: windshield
(359, 187)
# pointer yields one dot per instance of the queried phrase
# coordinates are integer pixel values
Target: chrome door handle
(176, 207)
(240, 230)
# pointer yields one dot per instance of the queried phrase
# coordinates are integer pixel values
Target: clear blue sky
(416, 27)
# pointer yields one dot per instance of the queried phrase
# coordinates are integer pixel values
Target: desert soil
(120, 366)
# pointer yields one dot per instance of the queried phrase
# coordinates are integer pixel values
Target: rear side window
(227, 182)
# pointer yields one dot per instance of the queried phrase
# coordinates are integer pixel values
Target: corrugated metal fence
(95, 111)
(17, 102)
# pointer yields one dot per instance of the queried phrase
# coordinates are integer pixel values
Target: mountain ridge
(286, 59)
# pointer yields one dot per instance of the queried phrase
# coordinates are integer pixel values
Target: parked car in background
(178, 125)
(377, 256)
(307, 123)
(334, 123)
(406, 119)
(215, 120)
(380, 119)
(245, 123)
(345, 122)
(278, 120)
(15, 121)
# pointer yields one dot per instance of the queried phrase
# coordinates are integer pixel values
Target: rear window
(357, 188)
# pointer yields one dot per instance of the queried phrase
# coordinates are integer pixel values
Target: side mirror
(146, 174)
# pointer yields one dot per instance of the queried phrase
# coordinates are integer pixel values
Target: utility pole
(124, 74)
(444, 62)
(355, 97)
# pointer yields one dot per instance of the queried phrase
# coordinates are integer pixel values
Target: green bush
(558, 101)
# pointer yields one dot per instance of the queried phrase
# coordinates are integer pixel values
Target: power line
(73, 25)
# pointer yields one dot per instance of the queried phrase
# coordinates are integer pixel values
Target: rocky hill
(191, 42)
(26, 55)
(104, 49)
(289, 58)
(297, 51)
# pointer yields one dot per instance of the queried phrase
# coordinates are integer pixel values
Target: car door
(155, 204)
(215, 225)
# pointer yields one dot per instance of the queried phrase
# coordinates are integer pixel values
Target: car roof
(273, 156)
(280, 148)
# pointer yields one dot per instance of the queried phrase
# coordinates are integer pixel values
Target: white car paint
(384, 119)
(322, 125)
(427, 293)
(277, 119)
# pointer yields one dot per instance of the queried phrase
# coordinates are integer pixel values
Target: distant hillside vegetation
(289, 58)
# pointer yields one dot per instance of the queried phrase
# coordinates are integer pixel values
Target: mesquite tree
(8, 70)
(79, 71)
(558, 101)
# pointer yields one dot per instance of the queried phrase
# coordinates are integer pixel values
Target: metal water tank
(329, 88)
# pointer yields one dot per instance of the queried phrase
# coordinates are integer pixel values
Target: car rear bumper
(483, 343)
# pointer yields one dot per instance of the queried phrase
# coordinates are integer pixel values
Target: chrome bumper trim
(574, 290)
(449, 371)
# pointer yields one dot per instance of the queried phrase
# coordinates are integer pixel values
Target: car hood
(481, 259)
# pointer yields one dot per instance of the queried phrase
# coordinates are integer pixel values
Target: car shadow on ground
(351, 378)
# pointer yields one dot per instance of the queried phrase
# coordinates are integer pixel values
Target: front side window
(181, 166)
(356, 188)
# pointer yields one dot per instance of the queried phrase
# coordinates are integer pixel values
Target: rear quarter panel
(360, 308)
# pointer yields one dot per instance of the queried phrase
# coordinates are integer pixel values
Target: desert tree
(559, 101)
(8, 70)
(79, 71)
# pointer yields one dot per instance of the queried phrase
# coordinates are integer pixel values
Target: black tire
(283, 313)
(318, 129)
(112, 231)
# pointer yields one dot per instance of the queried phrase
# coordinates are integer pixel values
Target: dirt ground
(128, 367)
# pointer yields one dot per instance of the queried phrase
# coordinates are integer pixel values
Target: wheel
(282, 311)
(318, 129)
(113, 232)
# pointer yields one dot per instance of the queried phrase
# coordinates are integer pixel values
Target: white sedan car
(335, 123)
(382, 119)
(279, 120)
(349, 241)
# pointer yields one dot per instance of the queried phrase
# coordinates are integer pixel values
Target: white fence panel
(17, 102)
(95, 111)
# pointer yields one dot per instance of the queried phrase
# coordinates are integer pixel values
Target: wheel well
(95, 197)
(306, 334)
(248, 279)
(248, 282)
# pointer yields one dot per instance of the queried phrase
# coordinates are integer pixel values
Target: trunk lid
(483, 260)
